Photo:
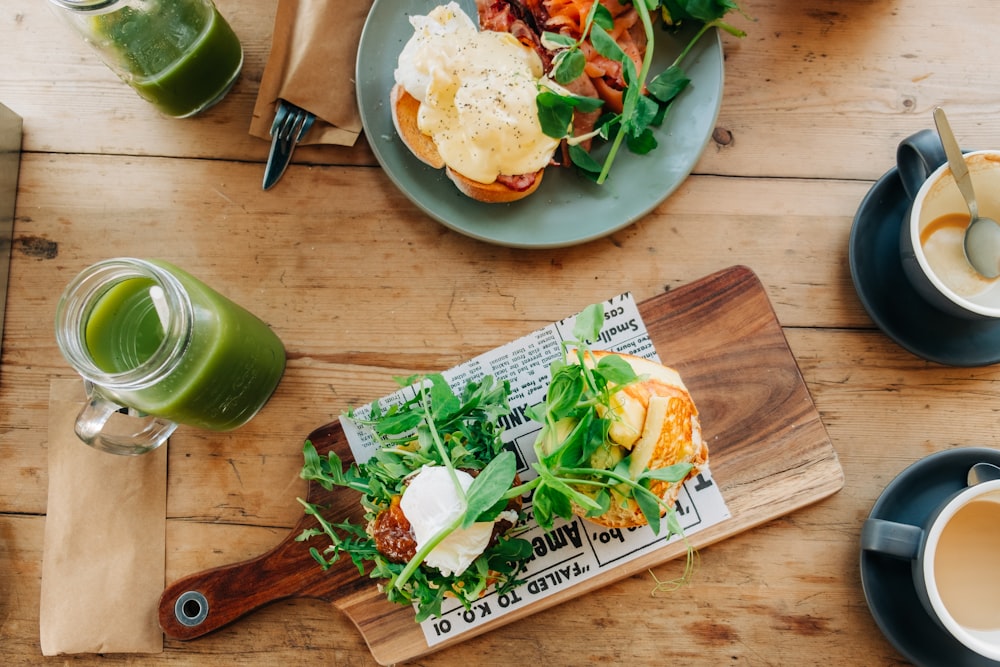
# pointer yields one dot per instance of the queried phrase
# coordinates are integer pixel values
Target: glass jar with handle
(180, 55)
(151, 337)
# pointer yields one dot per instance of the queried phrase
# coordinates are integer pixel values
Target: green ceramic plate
(566, 209)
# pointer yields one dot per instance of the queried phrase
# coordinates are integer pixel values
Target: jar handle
(117, 429)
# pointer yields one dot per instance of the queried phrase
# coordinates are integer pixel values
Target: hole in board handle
(191, 609)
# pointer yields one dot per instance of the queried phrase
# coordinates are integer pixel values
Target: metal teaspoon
(982, 472)
(982, 236)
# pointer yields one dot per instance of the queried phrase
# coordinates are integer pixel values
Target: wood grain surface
(362, 287)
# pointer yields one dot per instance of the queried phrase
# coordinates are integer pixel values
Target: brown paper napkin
(103, 567)
(313, 52)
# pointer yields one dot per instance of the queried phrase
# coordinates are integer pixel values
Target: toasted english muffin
(405, 108)
(404, 117)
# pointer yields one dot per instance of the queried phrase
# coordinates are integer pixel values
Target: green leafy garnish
(645, 101)
(573, 441)
(435, 428)
(438, 427)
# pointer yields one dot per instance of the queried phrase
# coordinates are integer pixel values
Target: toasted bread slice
(659, 408)
(404, 117)
(495, 192)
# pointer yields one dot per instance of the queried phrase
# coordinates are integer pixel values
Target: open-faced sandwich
(437, 498)
(620, 435)
(464, 101)
(494, 102)
(653, 425)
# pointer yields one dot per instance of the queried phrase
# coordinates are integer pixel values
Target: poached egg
(431, 502)
(477, 93)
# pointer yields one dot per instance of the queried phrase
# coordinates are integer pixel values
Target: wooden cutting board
(769, 453)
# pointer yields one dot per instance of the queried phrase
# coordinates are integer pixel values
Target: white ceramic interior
(939, 196)
(986, 643)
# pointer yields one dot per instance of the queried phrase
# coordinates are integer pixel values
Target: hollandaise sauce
(477, 92)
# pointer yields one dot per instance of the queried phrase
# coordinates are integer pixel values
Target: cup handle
(917, 156)
(129, 434)
(894, 539)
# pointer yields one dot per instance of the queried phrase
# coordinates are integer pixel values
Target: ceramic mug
(931, 235)
(954, 556)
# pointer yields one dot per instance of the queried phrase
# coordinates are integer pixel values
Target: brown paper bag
(103, 567)
(314, 47)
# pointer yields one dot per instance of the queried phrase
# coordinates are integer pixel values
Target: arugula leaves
(645, 101)
(439, 428)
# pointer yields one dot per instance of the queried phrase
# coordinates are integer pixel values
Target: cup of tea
(157, 347)
(932, 235)
(954, 556)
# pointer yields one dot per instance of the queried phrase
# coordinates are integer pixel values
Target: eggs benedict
(464, 100)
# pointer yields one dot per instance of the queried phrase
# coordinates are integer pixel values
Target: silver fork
(290, 124)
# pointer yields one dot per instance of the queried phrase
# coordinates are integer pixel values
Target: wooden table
(361, 287)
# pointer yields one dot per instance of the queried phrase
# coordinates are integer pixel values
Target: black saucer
(887, 581)
(893, 304)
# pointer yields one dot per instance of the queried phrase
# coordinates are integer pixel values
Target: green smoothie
(123, 330)
(229, 365)
(181, 59)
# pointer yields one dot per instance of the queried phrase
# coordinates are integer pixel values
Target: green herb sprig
(435, 427)
(574, 430)
(645, 101)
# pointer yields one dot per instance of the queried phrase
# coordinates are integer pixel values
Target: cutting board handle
(207, 600)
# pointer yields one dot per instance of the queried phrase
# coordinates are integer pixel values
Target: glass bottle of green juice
(179, 55)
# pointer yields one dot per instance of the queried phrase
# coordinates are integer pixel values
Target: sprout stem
(647, 59)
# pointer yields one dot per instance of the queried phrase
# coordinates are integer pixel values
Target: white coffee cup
(954, 562)
(931, 238)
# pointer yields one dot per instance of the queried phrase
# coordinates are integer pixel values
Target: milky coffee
(966, 565)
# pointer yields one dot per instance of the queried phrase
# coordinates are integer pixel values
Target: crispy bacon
(518, 182)
(514, 17)
(602, 78)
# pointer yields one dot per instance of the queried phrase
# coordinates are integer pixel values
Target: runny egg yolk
(477, 92)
